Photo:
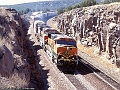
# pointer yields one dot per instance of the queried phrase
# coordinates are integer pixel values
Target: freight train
(61, 48)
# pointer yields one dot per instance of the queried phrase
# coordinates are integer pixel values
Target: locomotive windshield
(71, 43)
(61, 42)
(64, 42)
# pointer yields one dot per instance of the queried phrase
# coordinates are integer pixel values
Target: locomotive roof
(58, 36)
(51, 31)
(38, 22)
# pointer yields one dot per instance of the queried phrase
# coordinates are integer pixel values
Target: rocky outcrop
(94, 26)
(15, 68)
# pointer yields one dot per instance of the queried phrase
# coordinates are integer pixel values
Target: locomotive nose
(67, 52)
(67, 48)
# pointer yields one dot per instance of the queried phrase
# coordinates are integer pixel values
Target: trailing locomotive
(61, 48)
(36, 26)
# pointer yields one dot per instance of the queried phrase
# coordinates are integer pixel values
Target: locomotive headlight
(62, 57)
(73, 58)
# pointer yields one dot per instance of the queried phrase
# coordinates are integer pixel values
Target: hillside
(53, 5)
(44, 5)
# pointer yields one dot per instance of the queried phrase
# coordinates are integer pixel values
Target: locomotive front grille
(67, 53)
(72, 58)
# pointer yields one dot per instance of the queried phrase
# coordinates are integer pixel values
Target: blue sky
(12, 2)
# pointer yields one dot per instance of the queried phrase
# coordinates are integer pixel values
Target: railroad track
(75, 81)
(103, 77)
(80, 82)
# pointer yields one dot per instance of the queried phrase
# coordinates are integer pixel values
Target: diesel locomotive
(61, 48)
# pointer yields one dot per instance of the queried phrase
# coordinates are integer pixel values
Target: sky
(12, 2)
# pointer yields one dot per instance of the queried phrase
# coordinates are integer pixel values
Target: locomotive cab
(65, 49)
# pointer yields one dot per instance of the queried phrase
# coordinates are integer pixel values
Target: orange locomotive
(64, 48)
(61, 48)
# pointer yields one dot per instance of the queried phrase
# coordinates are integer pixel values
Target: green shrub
(61, 10)
(110, 1)
(68, 8)
(84, 3)
(87, 3)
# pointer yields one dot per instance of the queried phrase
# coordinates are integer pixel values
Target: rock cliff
(15, 51)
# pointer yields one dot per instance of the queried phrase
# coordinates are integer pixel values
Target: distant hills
(37, 6)
(34, 6)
